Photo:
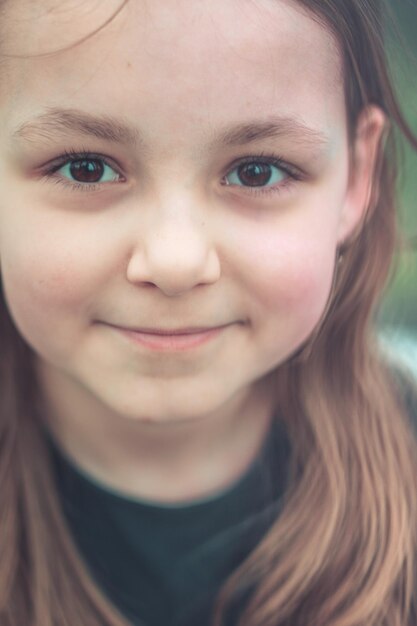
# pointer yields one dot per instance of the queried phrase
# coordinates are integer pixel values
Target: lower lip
(168, 343)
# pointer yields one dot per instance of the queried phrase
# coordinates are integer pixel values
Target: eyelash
(293, 174)
(50, 174)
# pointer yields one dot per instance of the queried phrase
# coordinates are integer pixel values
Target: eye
(87, 170)
(256, 173)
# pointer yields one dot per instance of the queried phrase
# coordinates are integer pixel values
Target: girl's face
(208, 187)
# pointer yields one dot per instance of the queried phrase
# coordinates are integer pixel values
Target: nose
(175, 253)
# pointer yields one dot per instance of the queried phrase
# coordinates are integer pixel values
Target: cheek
(48, 290)
(290, 277)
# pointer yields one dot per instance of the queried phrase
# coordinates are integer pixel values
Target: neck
(166, 462)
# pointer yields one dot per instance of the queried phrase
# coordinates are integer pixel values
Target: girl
(197, 220)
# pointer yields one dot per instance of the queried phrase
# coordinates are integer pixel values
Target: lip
(169, 340)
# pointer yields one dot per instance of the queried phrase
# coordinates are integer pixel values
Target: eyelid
(75, 155)
(269, 159)
(294, 174)
(51, 168)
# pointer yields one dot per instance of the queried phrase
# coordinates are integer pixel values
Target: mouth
(178, 339)
(174, 331)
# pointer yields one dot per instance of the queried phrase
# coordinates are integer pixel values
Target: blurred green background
(399, 308)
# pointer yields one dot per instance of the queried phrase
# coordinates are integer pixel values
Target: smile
(172, 340)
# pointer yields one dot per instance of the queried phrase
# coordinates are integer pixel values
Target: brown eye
(255, 174)
(87, 170)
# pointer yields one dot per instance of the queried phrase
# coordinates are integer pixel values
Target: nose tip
(174, 268)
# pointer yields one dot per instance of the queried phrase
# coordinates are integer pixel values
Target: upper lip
(190, 330)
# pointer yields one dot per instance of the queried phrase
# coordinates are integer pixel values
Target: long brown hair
(343, 550)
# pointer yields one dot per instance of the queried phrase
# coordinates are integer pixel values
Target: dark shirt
(164, 565)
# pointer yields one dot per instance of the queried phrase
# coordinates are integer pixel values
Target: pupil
(255, 174)
(87, 171)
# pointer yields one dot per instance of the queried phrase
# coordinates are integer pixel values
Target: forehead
(174, 63)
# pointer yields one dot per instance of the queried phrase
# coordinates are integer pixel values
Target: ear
(363, 184)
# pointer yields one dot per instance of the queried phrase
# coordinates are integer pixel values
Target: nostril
(173, 264)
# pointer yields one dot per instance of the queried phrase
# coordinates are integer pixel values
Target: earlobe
(362, 193)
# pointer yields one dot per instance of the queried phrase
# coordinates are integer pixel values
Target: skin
(164, 242)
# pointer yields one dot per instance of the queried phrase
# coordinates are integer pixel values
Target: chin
(163, 408)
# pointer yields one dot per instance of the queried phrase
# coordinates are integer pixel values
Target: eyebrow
(67, 121)
(274, 127)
